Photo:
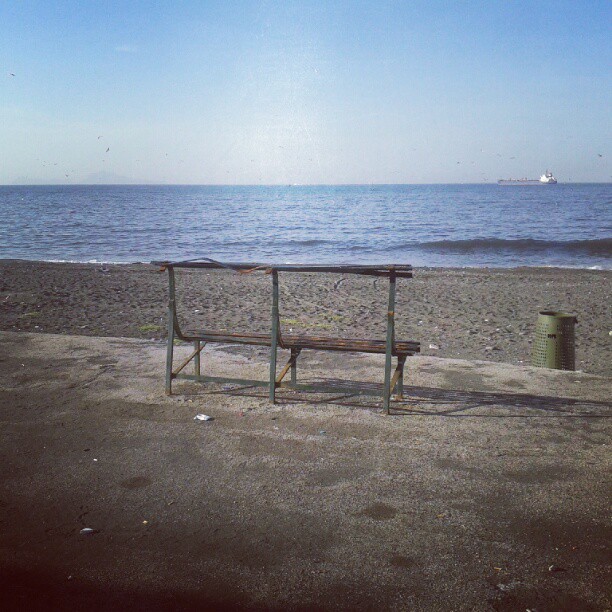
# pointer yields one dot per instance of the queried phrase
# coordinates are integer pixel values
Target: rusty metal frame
(392, 382)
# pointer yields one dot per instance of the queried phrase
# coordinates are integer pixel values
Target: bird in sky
(99, 137)
(107, 150)
(599, 155)
(11, 74)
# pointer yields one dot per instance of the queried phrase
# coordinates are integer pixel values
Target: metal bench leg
(169, 355)
(294, 356)
(390, 341)
(397, 377)
(400, 381)
(274, 342)
(196, 359)
(171, 316)
(290, 365)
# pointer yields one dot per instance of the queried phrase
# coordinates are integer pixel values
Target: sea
(564, 225)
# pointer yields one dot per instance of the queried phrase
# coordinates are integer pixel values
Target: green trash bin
(554, 342)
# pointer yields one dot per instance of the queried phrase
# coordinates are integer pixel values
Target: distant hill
(26, 180)
(96, 178)
(109, 178)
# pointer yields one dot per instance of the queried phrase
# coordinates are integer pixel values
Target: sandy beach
(471, 313)
(489, 490)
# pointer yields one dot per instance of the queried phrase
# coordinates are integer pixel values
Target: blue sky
(304, 92)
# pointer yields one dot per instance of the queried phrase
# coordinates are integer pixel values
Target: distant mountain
(109, 178)
(26, 180)
(97, 178)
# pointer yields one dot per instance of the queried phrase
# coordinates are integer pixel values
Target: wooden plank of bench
(227, 338)
(323, 343)
(399, 270)
(348, 345)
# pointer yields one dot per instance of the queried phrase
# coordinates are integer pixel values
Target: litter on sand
(202, 417)
(87, 531)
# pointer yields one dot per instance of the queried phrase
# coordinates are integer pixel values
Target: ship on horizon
(546, 179)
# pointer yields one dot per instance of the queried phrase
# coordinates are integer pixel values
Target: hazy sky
(304, 92)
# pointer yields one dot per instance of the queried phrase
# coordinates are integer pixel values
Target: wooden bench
(295, 343)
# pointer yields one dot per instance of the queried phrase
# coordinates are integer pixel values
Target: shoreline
(461, 313)
(595, 268)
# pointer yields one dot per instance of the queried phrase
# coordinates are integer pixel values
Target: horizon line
(134, 184)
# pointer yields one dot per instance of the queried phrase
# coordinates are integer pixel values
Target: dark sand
(468, 313)
(490, 493)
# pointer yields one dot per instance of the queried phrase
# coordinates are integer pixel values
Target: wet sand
(487, 314)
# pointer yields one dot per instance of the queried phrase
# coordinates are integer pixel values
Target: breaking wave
(601, 247)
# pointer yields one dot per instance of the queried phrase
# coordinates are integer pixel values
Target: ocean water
(425, 225)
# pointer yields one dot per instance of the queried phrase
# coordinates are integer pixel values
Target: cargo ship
(546, 179)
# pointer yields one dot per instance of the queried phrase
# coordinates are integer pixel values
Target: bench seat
(294, 341)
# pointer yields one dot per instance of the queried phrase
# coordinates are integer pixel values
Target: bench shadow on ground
(427, 401)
